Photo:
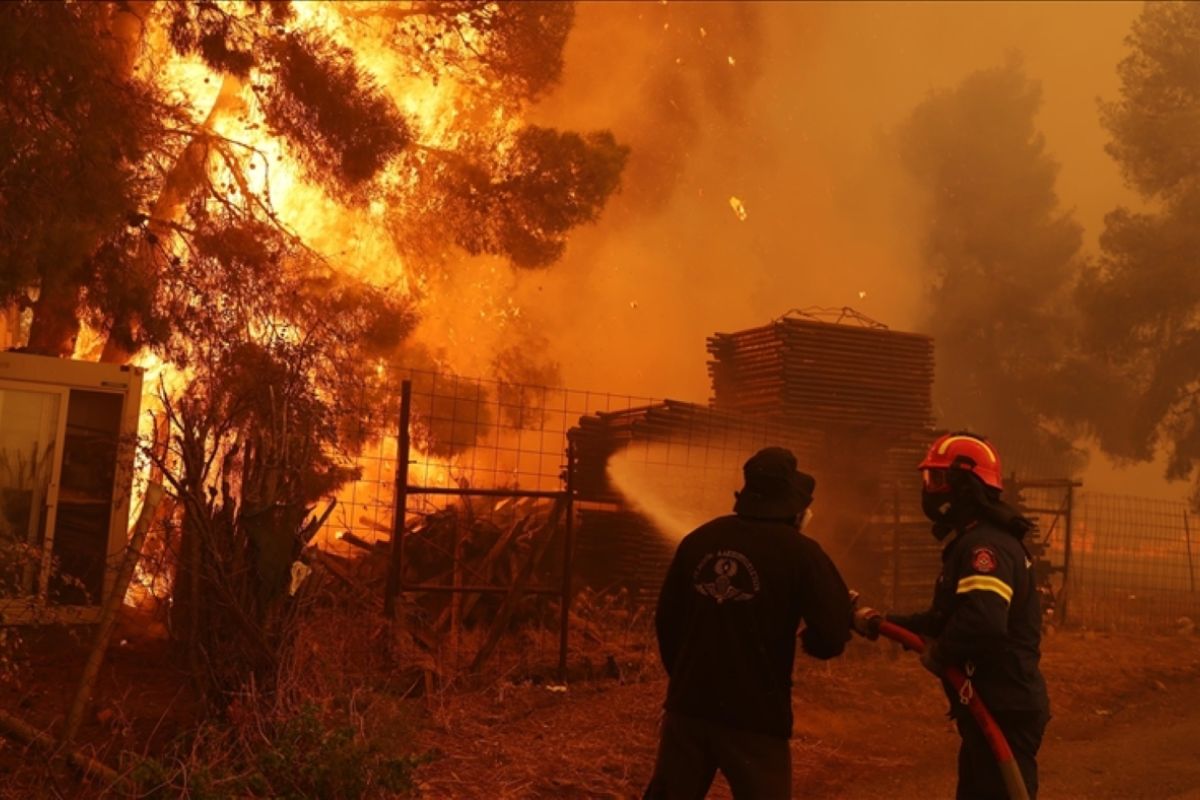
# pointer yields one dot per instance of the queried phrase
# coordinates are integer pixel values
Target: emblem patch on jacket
(983, 559)
(726, 575)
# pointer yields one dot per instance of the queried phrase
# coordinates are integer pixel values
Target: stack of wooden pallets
(812, 373)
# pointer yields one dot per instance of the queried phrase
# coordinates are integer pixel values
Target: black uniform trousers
(978, 774)
(690, 751)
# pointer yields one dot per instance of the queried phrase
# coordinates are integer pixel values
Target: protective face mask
(805, 519)
(936, 506)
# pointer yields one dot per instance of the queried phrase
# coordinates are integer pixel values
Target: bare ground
(869, 726)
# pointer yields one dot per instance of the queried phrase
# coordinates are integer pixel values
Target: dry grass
(361, 711)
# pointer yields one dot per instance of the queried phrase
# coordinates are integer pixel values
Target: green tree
(1001, 256)
(1141, 301)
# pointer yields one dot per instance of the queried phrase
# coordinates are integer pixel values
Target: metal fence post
(396, 567)
(1187, 535)
(568, 558)
(1064, 593)
(895, 544)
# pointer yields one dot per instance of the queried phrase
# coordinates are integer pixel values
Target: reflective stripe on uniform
(985, 583)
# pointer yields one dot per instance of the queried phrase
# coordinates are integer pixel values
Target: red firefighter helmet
(961, 450)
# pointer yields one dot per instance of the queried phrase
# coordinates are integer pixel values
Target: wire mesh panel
(487, 505)
(477, 491)
(488, 462)
(1133, 561)
(648, 471)
(467, 434)
(1050, 503)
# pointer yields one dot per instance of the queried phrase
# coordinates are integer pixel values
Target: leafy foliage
(109, 173)
(330, 109)
(77, 151)
(301, 754)
(521, 203)
(1001, 256)
(311, 760)
(1141, 302)
(515, 48)
(1156, 122)
(262, 432)
(223, 35)
(132, 205)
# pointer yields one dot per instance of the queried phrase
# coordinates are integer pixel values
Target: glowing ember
(739, 209)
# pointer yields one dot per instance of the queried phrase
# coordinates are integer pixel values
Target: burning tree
(253, 194)
(121, 120)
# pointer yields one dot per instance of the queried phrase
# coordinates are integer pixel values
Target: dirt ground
(870, 726)
(142, 700)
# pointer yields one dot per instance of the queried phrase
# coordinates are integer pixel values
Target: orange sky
(803, 144)
(789, 107)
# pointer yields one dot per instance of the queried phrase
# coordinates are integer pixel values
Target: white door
(32, 431)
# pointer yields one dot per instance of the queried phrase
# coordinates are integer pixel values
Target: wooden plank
(508, 605)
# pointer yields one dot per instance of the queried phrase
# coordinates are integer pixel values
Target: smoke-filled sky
(789, 107)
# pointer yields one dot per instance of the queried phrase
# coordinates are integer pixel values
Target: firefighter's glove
(931, 659)
(866, 623)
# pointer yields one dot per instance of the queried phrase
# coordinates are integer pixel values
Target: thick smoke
(797, 128)
(801, 128)
(1000, 258)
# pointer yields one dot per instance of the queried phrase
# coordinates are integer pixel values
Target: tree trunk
(128, 26)
(185, 178)
(108, 613)
(55, 320)
(186, 595)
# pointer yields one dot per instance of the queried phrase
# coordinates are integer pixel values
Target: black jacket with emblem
(986, 617)
(733, 599)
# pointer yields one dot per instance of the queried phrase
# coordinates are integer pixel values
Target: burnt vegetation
(130, 216)
(328, 107)
(134, 224)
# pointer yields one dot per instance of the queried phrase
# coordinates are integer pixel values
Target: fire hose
(1013, 781)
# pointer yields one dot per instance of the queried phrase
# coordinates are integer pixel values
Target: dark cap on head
(775, 488)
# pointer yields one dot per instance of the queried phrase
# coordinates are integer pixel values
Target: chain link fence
(1132, 562)
(1107, 560)
(1101, 560)
(517, 496)
(488, 473)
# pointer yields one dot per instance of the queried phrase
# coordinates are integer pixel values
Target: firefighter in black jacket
(986, 615)
(733, 599)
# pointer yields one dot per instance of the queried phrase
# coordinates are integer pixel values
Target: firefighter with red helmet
(986, 616)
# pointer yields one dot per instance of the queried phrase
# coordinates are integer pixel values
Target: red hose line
(966, 695)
